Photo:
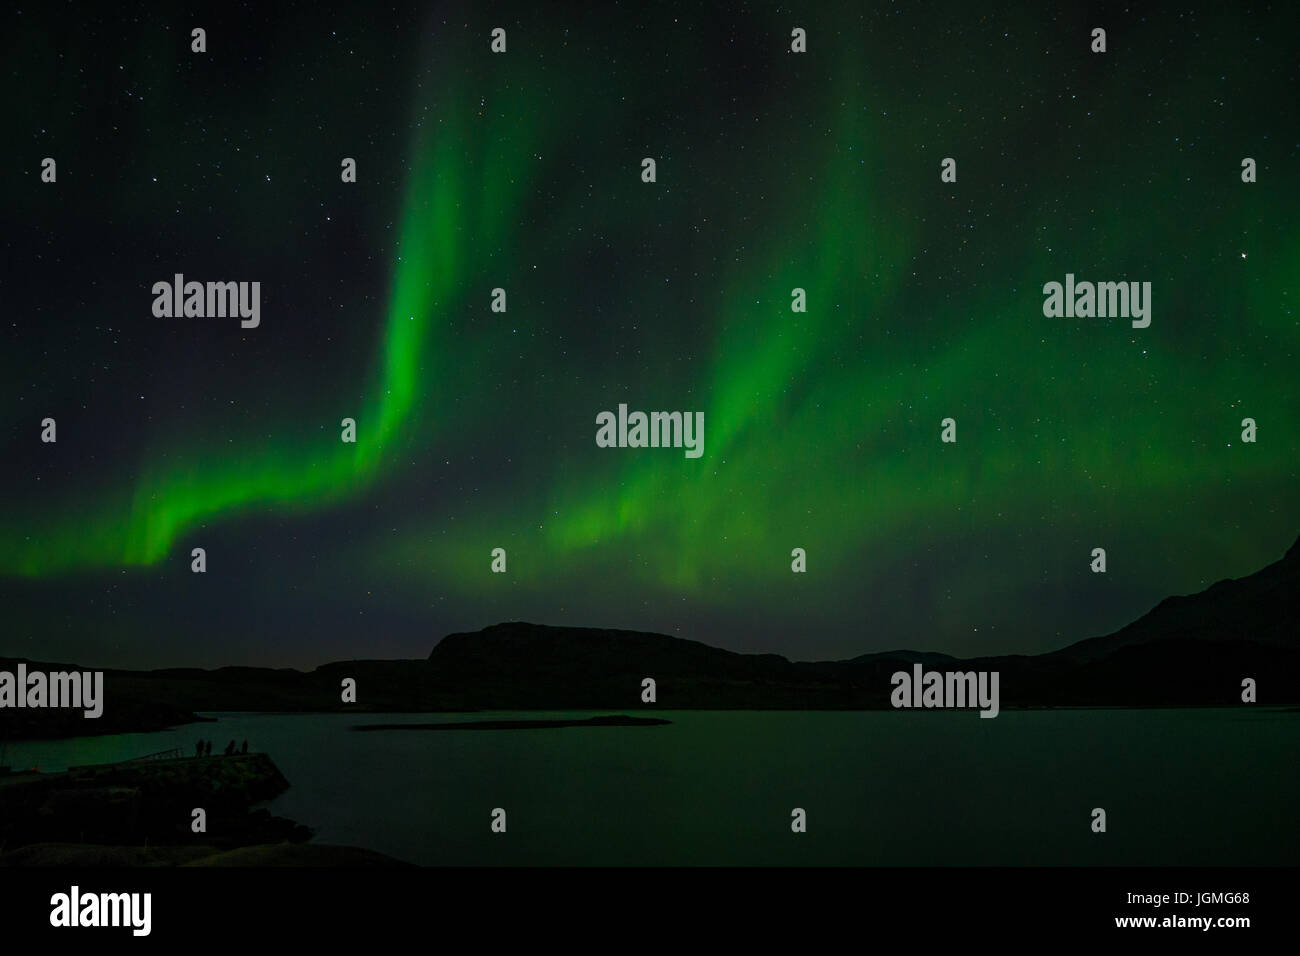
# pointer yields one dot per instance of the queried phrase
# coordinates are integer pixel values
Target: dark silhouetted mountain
(532, 666)
(928, 658)
(1187, 651)
(1262, 608)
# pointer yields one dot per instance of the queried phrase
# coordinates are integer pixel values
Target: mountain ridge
(1188, 650)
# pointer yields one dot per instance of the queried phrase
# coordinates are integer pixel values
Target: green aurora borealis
(476, 429)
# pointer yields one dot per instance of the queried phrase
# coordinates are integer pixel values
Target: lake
(1180, 787)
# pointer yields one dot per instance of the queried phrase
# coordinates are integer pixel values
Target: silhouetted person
(207, 748)
(244, 748)
(198, 749)
(230, 748)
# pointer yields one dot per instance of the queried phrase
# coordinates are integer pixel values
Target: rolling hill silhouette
(1193, 650)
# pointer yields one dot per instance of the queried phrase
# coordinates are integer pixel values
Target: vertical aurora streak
(476, 429)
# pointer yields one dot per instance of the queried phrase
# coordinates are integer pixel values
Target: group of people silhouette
(204, 748)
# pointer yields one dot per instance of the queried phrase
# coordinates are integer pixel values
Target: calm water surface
(1180, 787)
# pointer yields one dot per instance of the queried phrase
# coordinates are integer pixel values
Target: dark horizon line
(1291, 554)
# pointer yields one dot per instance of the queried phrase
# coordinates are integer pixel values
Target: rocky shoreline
(146, 813)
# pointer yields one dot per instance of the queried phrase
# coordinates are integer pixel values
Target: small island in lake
(613, 720)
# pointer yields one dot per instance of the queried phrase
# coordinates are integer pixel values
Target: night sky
(476, 429)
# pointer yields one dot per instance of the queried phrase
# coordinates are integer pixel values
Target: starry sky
(476, 429)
